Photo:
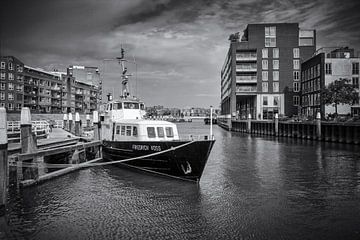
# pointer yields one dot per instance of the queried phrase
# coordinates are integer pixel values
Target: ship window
(117, 106)
(169, 132)
(134, 131)
(130, 105)
(128, 130)
(142, 106)
(160, 132)
(123, 130)
(151, 132)
(117, 129)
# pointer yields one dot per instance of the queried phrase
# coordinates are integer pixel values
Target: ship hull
(185, 160)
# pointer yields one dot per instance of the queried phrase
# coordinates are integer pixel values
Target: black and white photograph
(179, 119)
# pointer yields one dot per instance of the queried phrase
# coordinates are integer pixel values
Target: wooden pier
(314, 130)
(37, 160)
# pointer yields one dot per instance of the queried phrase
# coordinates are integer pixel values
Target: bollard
(87, 120)
(77, 124)
(318, 125)
(276, 124)
(28, 143)
(70, 120)
(4, 171)
(248, 125)
(65, 121)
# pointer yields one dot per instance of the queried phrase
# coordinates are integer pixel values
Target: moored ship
(150, 145)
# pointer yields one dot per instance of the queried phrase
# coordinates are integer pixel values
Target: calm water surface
(252, 188)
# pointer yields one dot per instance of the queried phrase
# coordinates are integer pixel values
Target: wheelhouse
(143, 130)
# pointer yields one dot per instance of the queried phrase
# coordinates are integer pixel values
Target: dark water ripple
(252, 188)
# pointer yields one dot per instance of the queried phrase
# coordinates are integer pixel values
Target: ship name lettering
(140, 147)
(156, 148)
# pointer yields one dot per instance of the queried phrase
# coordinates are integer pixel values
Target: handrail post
(4, 170)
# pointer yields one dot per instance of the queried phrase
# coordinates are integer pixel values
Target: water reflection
(252, 188)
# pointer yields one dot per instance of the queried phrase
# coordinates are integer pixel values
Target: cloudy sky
(179, 45)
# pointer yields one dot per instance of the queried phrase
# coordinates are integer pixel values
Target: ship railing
(193, 137)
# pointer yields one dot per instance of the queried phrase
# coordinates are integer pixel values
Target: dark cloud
(179, 45)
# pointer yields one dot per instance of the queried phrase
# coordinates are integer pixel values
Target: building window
(265, 100)
(275, 86)
(264, 53)
(318, 70)
(2, 96)
(270, 36)
(275, 75)
(18, 88)
(264, 64)
(355, 82)
(296, 75)
(265, 87)
(11, 86)
(19, 78)
(296, 100)
(328, 69)
(276, 100)
(11, 76)
(18, 106)
(355, 68)
(264, 75)
(11, 67)
(275, 64)
(296, 86)
(19, 68)
(2, 86)
(296, 53)
(10, 96)
(2, 75)
(275, 53)
(296, 64)
(2, 65)
(11, 106)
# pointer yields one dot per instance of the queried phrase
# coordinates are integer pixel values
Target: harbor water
(252, 188)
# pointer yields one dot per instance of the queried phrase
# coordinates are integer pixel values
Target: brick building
(326, 66)
(11, 83)
(261, 72)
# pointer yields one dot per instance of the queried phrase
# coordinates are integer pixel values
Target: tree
(340, 92)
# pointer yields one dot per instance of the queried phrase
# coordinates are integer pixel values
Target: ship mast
(124, 77)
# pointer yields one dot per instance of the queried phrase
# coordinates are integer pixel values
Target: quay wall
(316, 130)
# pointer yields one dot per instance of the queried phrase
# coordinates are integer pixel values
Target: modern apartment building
(43, 91)
(261, 73)
(326, 66)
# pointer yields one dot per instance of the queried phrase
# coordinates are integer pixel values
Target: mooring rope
(84, 164)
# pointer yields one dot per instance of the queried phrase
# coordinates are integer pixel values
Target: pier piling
(87, 120)
(65, 121)
(248, 124)
(28, 143)
(4, 171)
(318, 126)
(276, 124)
(77, 124)
(70, 120)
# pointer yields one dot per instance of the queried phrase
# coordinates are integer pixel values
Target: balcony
(246, 79)
(246, 89)
(246, 56)
(249, 67)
